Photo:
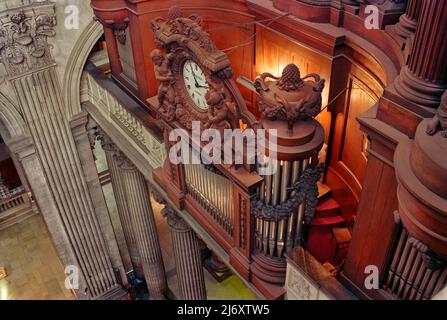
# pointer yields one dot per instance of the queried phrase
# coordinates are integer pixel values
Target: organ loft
(217, 150)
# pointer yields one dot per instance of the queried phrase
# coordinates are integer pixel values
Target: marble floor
(33, 267)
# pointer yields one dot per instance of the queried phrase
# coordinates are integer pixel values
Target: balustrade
(13, 202)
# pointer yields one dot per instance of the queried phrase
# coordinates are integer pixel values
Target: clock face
(195, 82)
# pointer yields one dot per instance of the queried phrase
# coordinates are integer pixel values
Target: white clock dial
(195, 82)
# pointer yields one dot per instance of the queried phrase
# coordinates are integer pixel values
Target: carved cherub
(166, 91)
(439, 122)
(219, 108)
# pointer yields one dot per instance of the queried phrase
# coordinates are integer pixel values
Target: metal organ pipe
(213, 192)
(278, 237)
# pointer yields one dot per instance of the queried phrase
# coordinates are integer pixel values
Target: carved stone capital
(124, 163)
(176, 223)
(93, 132)
(106, 143)
(23, 38)
(158, 197)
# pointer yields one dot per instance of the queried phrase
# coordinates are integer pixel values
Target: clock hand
(197, 83)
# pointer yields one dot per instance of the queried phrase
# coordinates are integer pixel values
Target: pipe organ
(274, 238)
(212, 191)
(413, 274)
(254, 215)
(286, 199)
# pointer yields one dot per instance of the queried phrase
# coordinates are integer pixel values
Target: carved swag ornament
(23, 39)
(306, 191)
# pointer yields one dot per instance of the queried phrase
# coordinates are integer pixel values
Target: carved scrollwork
(23, 39)
(190, 27)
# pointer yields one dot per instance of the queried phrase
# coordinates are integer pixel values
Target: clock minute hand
(195, 78)
(197, 83)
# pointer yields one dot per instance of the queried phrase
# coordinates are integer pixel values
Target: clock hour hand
(195, 79)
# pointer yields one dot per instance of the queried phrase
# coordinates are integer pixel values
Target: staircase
(328, 215)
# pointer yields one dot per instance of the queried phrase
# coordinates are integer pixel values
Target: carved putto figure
(290, 98)
(439, 122)
(218, 107)
(163, 74)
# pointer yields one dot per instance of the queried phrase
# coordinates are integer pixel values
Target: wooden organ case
(254, 215)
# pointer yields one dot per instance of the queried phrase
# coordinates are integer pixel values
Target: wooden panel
(374, 229)
(348, 144)
(353, 151)
(275, 50)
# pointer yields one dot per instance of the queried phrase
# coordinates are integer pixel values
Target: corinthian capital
(23, 37)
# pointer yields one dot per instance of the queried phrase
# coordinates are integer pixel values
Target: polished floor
(33, 267)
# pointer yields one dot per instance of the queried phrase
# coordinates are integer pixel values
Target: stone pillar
(188, 260)
(144, 229)
(32, 74)
(113, 156)
(26, 153)
(424, 80)
(408, 21)
(82, 127)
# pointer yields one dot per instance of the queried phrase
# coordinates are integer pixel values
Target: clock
(194, 77)
(195, 83)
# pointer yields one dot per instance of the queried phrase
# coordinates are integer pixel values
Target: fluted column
(31, 72)
(424, 80)
(408, 21)
(188, 259)
(114, 158)
(144, 229)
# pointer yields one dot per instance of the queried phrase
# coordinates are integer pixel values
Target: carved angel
(439, 122)
(219, 108)
(163, 74)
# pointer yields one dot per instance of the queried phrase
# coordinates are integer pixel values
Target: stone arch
(12, 123)
(75, 66)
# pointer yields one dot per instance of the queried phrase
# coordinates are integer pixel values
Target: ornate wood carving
(290, 98)
(305, 190)
(184, 40)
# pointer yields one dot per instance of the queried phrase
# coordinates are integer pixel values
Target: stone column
(188, 259)
(32, 74)
(424, 80)
(82, 127)
(408, 21)
(144, 229)
(113, 156)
